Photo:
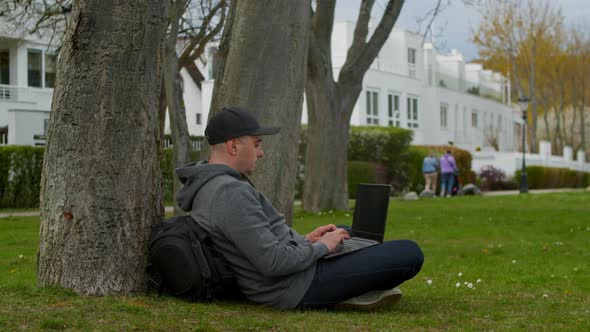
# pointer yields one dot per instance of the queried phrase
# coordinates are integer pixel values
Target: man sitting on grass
(273, 264)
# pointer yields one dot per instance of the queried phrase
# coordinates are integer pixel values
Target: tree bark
(100, 188)
(181, 147)
(330, 104)
(264, 49)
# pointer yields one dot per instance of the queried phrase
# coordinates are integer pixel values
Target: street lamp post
(524, 106)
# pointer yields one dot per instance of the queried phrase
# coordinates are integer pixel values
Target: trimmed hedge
(415, 157)
(20, 176)
(360, 172)
(539, 177)
(385, 148)
(167, 175)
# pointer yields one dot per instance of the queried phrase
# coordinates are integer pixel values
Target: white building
(439, 97)
(27, 77)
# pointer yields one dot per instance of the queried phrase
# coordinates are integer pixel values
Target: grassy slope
(531, 254)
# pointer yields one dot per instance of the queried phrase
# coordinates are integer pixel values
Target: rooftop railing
(470, 87)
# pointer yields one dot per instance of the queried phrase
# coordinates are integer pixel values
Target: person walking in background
(448, 167)
(429, 167)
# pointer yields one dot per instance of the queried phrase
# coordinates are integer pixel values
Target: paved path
(490, 193)
(36, 213)
(534, 191)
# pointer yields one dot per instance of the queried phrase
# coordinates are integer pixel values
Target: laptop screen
(370, 211)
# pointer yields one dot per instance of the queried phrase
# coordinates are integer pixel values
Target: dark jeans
(380, 267)
(447, 183)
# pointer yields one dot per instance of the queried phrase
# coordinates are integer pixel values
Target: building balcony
(17, 94)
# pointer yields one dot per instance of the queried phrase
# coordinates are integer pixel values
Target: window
(50, 70)
(474, 119)
(465, 119)
(393, 110)
(443, 115)
(412, 56)
(4, 68)
(412, 112)
(412, 62)
(34, 68)
(372, 108)
(198, 118)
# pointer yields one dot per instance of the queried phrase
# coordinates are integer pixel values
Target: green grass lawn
(526, 257)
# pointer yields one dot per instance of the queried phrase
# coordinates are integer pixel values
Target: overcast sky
(456, 20)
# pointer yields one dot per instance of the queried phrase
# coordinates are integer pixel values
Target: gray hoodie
(274, 265)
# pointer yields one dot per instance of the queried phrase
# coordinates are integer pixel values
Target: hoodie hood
(194, 176)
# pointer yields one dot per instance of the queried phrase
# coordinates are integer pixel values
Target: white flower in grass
(558, 243)
(460, 274)
(575, 268)
(429, 281)
(458, 284)
(553, 276)
(21, 256)
(465, 283)
(514, 261)
(347, 214)
(478, 281)
(469, 285)
(545, 296)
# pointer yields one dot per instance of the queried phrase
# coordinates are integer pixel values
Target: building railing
(465, 86)
(9, 92)
(15, 93)
(195, 141)
(511, 162)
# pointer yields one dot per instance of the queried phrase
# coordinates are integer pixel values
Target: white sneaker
(371, 300)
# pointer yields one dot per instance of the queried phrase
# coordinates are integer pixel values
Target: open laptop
(370, 217)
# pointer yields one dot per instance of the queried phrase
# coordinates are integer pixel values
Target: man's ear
(231, 146)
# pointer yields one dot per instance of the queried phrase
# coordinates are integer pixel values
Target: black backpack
(183, 262)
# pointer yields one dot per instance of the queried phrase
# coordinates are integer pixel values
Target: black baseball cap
(233, 122)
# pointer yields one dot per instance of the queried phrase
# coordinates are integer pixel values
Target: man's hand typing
(333, 238)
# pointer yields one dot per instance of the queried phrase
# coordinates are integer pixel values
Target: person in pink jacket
(448, 167)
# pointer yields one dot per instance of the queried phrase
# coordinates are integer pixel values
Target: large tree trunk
(326, 161)
(100, 188)
(264, 50)
(330, 104)
(174, 99)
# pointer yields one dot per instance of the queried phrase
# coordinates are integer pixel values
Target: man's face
(249, 150)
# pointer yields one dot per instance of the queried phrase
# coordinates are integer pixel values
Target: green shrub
(462, 157)
(414, 157)
(168, 174)
(360, 172)
(20, 176)
(378, 144)
(539, 177)
(414, 178)
(385, 147)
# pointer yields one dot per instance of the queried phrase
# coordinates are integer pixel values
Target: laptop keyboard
(353, 244)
